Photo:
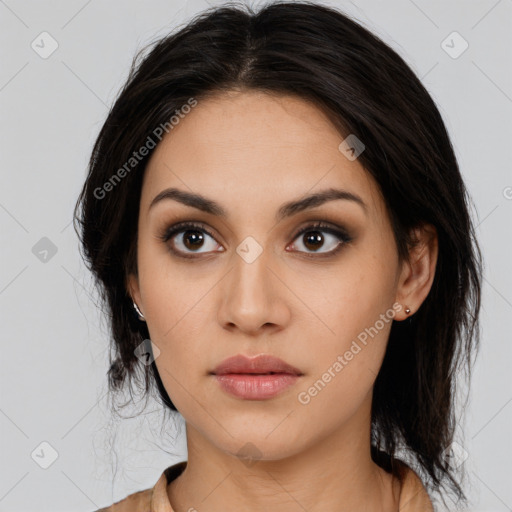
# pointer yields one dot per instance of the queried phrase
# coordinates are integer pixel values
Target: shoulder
(154, 499)
(135, 502)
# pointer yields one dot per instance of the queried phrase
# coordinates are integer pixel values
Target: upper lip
(260, 364)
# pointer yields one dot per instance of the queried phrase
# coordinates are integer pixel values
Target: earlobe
(417, 273)
(132, 285)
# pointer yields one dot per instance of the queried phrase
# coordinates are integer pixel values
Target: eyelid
(169, 231)
(324, 226)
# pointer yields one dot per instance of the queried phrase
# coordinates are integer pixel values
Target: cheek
(345, 367)
(177, 326)
(355, 296)
(168, 292)
(355, 306)
(175, 317)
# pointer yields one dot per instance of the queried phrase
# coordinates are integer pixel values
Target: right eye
(186, 238)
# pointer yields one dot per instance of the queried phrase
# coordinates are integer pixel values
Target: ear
(417, 273)
(132, 285)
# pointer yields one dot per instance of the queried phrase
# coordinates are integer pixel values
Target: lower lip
(255, 387)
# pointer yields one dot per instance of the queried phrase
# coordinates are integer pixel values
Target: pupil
(315, 238)
(193, 239)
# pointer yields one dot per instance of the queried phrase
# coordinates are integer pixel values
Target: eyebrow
(286, 210)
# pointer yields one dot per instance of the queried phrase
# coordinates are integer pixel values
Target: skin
(251, 152)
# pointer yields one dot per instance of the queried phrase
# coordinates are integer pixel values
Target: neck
(334, 474)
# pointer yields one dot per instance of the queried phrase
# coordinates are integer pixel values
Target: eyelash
(181, 227)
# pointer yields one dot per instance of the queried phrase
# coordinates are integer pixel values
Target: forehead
(253, 147)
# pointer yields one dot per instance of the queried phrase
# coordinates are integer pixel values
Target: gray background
(54, 342)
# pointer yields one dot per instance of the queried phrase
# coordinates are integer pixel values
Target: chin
(253, 446)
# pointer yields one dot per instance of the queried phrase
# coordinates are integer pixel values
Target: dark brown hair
(319, 54)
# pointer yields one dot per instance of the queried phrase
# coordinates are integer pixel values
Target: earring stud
(407, 311)
(139, 312)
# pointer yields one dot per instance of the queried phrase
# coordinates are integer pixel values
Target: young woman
(277, 221)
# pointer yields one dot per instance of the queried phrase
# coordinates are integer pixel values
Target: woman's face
(322, 301)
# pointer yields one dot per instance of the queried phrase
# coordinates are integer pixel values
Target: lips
(263, 365)
(259, 378)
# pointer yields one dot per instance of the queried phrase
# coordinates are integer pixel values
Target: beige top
(413, 495)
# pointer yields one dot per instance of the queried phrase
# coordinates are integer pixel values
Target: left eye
(313, 239)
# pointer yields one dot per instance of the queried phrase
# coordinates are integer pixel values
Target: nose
(254, 297)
